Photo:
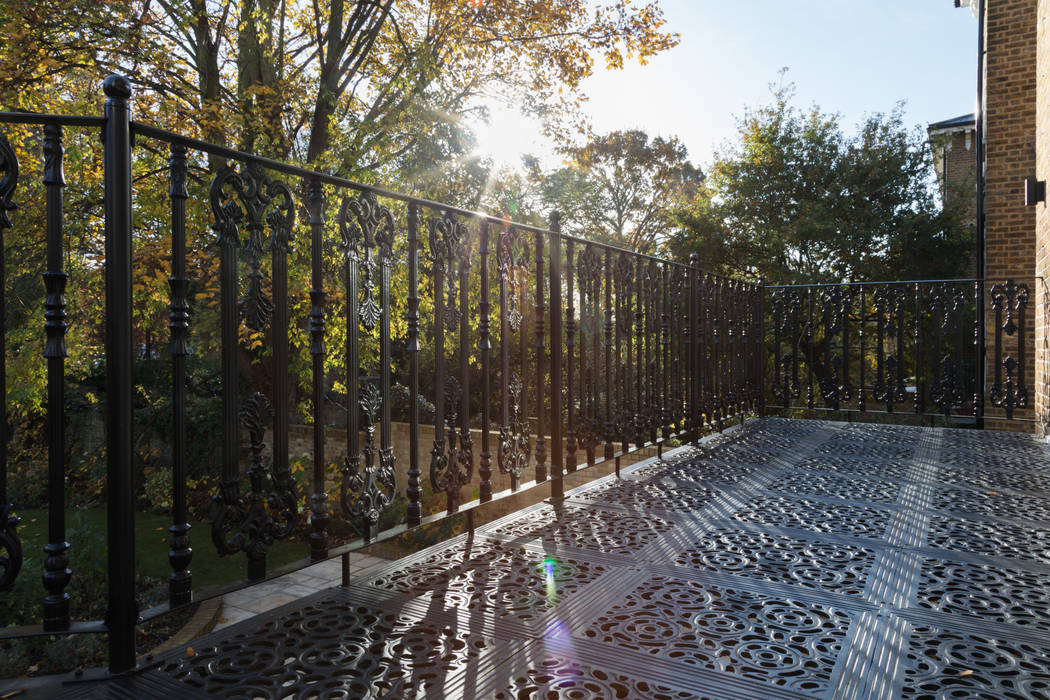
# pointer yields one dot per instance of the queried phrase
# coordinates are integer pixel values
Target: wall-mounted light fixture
(1034, 191)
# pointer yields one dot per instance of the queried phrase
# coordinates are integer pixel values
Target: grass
(86, 533)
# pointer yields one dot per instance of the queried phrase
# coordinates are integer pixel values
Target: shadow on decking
(786, 559)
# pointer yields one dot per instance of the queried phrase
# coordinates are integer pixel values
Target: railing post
(694, 348)
(557, 487)
(122, 612)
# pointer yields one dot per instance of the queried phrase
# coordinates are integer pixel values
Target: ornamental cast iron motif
(251, 194)
(728, 630)
(787, 311)
(242, 523)
(997, 594)
(948, 302)
(836, 303)
(590, 425)
(522, 589)
(10, 544)
(1010, 393)
(889, 334)
(624, 282)
(825, 566)
(451, 458)
(369, 481)
(555, 677)
(514, 443)
(999, 669)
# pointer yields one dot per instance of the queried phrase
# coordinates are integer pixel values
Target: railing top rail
(289, 169)
(41, 118)
(967, 280)
(166, 136)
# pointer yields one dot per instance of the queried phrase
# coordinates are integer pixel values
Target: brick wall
(1010, 156)
(1042, 215)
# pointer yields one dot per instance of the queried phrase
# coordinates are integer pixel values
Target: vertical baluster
(844, 312)
(901, 306)
(861, 403)
(414, 513)
(760, 347)
(639, 369)
(464, 455)
(1021, 396)
(779, 319)
(11, 563)
(597, 277)
(979, 352)
(352, 463)
(693, 336)
(56, 562)
(541, 441)
(485, 459)
(180, 582)
(809, 347)
(385, 476)
(610, 367)
(570, 339)
(647, 366)
(557, 488)
(521, 269)
(624, 347)
(509, 436)
(122, 613)
(665, 347)
(319, 498)
(280, 246)
(880, 325)
(919, 398)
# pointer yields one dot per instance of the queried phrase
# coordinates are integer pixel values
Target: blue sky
(855, 57)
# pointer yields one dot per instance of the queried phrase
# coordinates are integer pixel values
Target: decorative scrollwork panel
(249, 199)
(451, 463)
(369, 481)
(515, 443)
(1009, 303)
(728, 630)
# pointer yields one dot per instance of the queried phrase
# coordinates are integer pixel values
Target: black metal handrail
(586, 351)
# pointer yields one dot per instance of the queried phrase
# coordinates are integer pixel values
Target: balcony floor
(785, 559)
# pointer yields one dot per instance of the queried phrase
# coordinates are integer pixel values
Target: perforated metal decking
(789, 559)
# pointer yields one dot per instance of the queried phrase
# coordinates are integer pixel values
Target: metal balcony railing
(564, 352)
(959, 350)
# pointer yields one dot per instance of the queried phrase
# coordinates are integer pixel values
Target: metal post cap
(116, 86)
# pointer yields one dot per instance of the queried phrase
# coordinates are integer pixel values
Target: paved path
(252, 601)
(791, 559)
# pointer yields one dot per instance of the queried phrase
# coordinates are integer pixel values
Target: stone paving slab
(789, 559)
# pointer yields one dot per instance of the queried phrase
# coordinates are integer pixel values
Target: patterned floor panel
(785, 559)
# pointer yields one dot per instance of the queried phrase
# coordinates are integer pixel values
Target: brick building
(1013, 114)
(954, 149)
(953, 145)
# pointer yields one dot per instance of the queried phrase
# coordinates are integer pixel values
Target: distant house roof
(962, 123)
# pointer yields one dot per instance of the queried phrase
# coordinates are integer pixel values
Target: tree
(795, 200)
(621, 188)
(350, 85)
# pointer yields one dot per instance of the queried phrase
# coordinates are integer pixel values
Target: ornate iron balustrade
(585, 351)
(935, 348)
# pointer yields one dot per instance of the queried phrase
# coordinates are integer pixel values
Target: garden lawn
(86, 534)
